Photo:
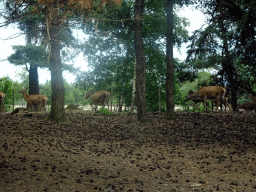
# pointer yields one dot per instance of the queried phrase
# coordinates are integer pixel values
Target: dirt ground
(93, 152)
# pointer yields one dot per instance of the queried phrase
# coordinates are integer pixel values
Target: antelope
(31, 100)
(2, 96)
(197, 100)
(253, 97)
(223, 101)
(98, 97)
(215, 93)
(249, 106)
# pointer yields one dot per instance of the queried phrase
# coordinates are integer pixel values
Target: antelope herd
(216, 94)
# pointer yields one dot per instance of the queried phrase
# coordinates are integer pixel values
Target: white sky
(195, 17)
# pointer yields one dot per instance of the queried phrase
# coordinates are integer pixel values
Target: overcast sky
(195, 17)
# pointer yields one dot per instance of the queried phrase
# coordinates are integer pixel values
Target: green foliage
(186, 87)
(9, 86)
(204, 78)
(178, 97)
(155, 78)
(104, 111)
(152, 98)
(35, 55)
(184, 72)
(243, 98)
(23, 76)
(18, 97)
(73, 95)
(6, 87)
(46, 89)
(30, 53)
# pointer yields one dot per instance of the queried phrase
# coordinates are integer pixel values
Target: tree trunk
(227, 65)
(120, 103)
(111, 97)
(33, 73)
(57, 110)
(169, 55)
(33, 81)
(140, 61)
(159, 97)
(133, 88)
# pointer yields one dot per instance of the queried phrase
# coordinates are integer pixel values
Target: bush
(104, 111)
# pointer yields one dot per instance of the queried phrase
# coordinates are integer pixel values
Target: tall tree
(140, 62)
(227, 65)
(35, 56)
(169, 55)
(169, 85)
(33, 72)
(54, 23)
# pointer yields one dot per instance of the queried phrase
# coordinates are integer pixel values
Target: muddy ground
(92, 152)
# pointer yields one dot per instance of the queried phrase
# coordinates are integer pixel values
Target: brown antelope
(248, 106)
(2, 96)
(253, 97)
(197, 100)
(222, 101)
(31, 100)
(216, 93)
(98, 97)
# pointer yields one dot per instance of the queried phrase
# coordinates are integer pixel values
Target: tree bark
(133, 88)
(169, 55)
(57, 110)
(227, 65)
(33, 81)
(33, 73)
(140, 62)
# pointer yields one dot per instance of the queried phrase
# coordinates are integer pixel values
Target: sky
(195, 17)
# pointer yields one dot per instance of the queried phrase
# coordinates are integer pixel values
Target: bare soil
(93, 152)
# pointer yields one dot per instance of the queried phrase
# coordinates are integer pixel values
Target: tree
(169, 55)
(28, 25)
(140, 62)
(227, 64)
(6, 88)
(34, 56)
